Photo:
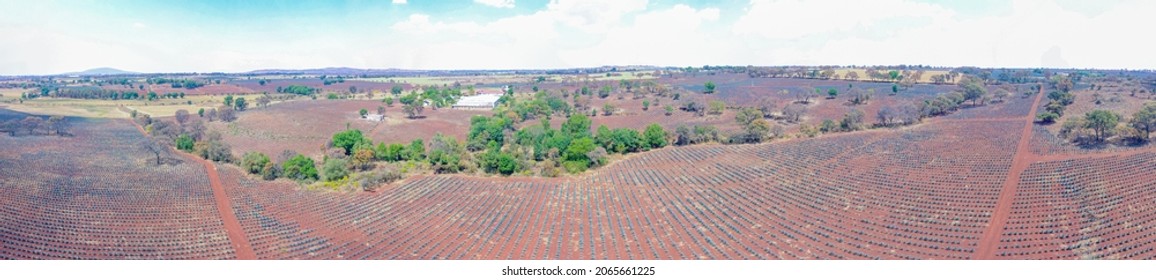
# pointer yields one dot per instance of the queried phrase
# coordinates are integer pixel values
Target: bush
(1047, 117)
(333, 169)
(299, 168)
(185, 143)
(254, 162)
(371, 180)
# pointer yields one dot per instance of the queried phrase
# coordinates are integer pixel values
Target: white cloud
(1035, 33)
(399, 2)
(665, 37)
(496, 3)
(791, 19)
(593, 16)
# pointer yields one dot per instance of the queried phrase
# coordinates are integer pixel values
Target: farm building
(480, 101)
(375, 117)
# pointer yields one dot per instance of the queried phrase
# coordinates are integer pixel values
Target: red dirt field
(305, 126)
(96, 195)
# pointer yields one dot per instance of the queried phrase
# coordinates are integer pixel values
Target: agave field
(985, 182)
(95, 195)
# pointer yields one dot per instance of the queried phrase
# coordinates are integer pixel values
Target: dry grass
(863, 74)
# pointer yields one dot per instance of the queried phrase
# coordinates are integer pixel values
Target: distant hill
(103, 71)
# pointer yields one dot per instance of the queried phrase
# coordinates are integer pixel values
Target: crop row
(97, 196)
(1084, 209)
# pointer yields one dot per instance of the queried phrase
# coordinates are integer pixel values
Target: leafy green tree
(669, 110)
(1145, 120)
(416, 150)
(392, 152)
(445, 154)
(973, 91)
(575, 155)
(577, 126)
(254, 162)
(396, 90)
(201, 112)
(185, 143)
(1102, 122)
(240, 104)
(388, 101)
(229, 100)
(645, 105)
(710, 87)
(655, 136)
(348, 139)
(363, 112)
(1047, 117)
(300, 168)
(832, 93)
(333, 169)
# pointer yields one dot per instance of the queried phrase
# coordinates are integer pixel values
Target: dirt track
(233, 228)
(1020, 162)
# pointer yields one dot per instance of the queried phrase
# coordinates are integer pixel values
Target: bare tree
(794, 112)
(182, 116)
(154, 145)
(31, 123)
(227, 114)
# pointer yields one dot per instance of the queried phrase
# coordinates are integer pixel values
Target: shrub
(254, 162)
(300, 168)
(333, 169)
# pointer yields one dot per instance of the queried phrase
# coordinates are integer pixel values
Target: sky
(51, 37)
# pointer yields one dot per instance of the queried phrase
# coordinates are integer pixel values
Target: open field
(926, 78)
(94, 108)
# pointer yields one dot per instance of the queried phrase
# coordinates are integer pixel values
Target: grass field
(94, 108)
(863, 74)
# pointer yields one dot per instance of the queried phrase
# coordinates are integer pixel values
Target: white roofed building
(480, 101)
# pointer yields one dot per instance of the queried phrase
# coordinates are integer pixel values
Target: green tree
(669, 110)
(333, 169)
(832, 93)
(645, 105)
(655, 136)
(363, 112)
(396, 90)
(299, 168)
(388, 101)
(229, 100)
(1102, 122)
(710, 87)
(416, 150)
(1145, 120)
(575, 155)
(973, 91)
(1047, 117)
(254, 162)
(829, 126)
(185, 143)
(577, 126)
(201, 112)
(348, 139)
(716, 107)
(240, 104)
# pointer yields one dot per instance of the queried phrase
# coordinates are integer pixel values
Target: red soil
(1020, 162)
(232, 227)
